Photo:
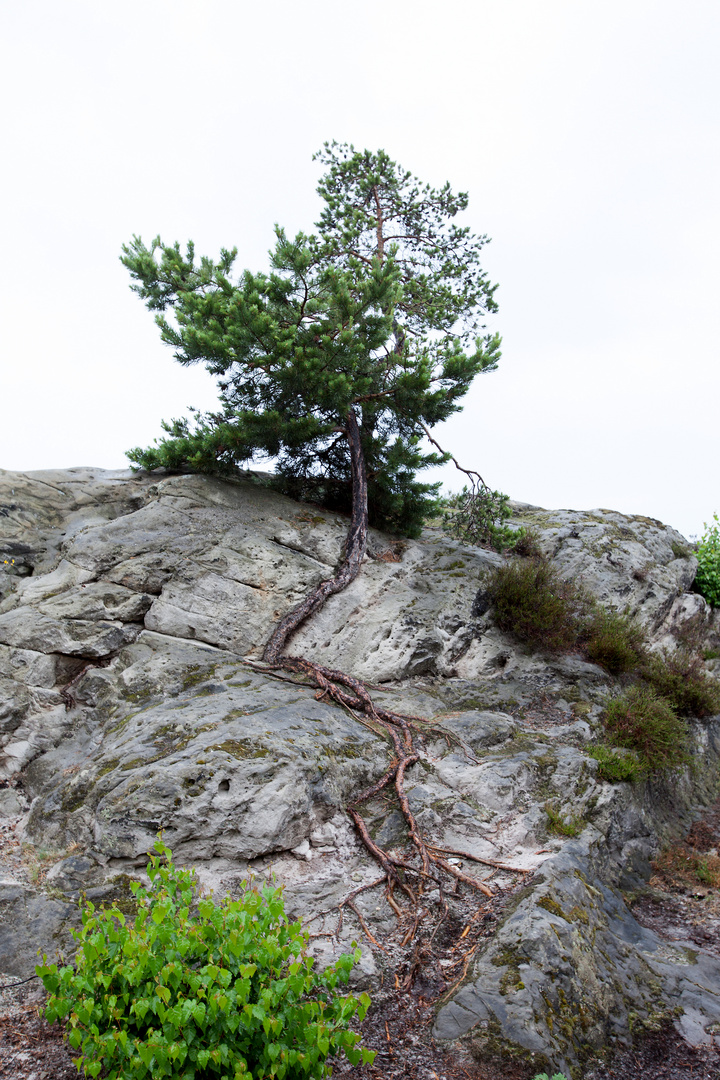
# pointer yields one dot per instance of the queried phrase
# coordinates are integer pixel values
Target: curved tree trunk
(355, 546)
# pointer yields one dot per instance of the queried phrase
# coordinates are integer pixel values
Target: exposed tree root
(399, 728)
(429, 865)
(433, 865)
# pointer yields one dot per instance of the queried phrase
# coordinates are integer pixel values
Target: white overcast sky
(585, 132)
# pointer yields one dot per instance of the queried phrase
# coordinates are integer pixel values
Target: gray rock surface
(131, 623)
(571, 963)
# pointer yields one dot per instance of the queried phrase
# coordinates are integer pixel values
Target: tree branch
(468, 472)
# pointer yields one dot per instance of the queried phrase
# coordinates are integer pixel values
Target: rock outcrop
(133, 611)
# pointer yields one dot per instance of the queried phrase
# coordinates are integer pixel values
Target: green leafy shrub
(226, 993)
(614, 640)
(639, 720)
(555, 1076)
(707, 578)
(616, 767)
(679, 678)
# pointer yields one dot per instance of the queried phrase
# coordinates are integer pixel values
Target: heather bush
(531, 601)
(613, 640)
(543, 610)
(680, 679)
(640, 720)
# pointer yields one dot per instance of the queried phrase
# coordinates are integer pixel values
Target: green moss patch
(241, 749)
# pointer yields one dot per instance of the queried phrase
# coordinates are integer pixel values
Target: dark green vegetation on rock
(225, 992)
(616, 767)
(543, 610)
(546, 611)
(640, 720)
(531, 601)
(680, 679)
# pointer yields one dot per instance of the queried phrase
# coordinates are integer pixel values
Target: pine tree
(377, 314)
(336, 363)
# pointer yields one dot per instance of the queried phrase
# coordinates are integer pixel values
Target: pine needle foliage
(477, 515)
(380, 311)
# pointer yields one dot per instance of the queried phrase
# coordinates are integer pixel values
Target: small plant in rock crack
(223, 994)
(560, 825)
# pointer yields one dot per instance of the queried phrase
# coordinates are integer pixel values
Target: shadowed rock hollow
(131, 611)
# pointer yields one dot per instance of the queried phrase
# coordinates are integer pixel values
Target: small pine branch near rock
(337, 363)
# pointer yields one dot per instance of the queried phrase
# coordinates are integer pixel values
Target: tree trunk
(355, 546)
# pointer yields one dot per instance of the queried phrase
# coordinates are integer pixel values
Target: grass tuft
(617, 767)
